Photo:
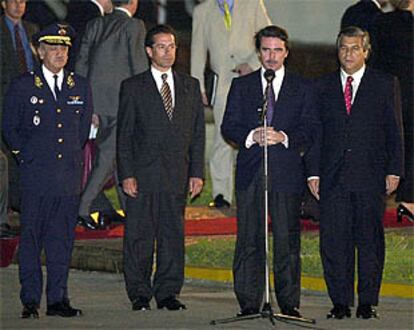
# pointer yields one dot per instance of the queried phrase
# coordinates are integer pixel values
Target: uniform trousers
(154, 223)
(47, 222)
(352, 222)
(249, 259)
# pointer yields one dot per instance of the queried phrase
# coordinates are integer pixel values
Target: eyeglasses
(163, 47)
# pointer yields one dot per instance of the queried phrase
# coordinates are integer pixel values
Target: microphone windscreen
(269, 75)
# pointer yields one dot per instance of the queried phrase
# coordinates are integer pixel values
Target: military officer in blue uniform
(46, 120)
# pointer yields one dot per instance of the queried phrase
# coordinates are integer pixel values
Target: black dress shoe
(171, 303)
(63, 309)
(366, 312)
(402, 211)
(291, 311)
(141, 304)
(247, 311)
(219, 202)
(29, 310)
(339, 312)
(87, 222)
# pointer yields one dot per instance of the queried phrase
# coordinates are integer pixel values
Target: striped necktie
(166, 96)
(21, 55)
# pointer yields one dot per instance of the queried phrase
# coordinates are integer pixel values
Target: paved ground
(103, 300)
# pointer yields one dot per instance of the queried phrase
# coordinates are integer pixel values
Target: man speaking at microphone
(290, 127)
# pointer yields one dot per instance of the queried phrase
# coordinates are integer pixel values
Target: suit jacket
(293, 114)
(47, 136)
(112, 49)
(160, 154)
(357, 151)
(226, 49)
(362, 14)
(79, 14)
(9, 67)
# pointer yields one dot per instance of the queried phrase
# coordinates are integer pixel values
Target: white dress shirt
(277, 85)
(51, 80)
(170, 80)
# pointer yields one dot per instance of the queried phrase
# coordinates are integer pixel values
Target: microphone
(269, 75)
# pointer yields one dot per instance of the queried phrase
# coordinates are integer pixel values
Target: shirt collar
(101, 9)
(356, 75)
(49, 74)
(157, 73)
(279, 75)
(11, 24)
(230, 3)
(126, 11)
(376, 3)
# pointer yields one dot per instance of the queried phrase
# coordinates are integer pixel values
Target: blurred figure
(47, 114)
(17, 56)
(395, 32)
(160, 153)
(224, 30)
(363, 14)
(80, 12)
(358, 162)
(112, 49)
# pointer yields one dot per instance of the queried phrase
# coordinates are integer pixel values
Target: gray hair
(354, 31)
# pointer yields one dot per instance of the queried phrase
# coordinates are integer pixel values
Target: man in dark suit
(47, 114)
(16, 57)
(161, 138)
(80, 12)
(363, 14)
(112, 49)
(358, 160)
(290, 130)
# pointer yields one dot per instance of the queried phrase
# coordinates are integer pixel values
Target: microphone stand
(267, 311)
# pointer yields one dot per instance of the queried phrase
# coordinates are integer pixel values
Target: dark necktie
(166, 96)
(270, 104)
(21, 56)
(56, 88)
(348, 94)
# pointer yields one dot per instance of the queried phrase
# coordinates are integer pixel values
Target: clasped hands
(273, 137)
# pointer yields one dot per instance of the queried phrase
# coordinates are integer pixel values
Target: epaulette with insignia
(70, 81)
(38, 82)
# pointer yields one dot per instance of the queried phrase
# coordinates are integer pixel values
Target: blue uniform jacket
(45, 135)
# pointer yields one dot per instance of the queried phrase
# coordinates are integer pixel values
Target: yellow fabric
(227, 16)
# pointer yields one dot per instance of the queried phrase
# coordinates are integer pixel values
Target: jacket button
(59, 125)
(60, 140)
(59, 156)
(58, 110)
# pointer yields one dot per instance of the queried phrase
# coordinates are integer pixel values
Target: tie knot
(164, 77)
(349, 79)
(55, 76)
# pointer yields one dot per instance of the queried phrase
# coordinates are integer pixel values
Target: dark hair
(354, 31)
(119, 3)
(271, 31)
(158, 29)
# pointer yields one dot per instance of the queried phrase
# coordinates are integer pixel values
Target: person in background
(394, 32)
(16, 57)
(112, 49)
(358, 161)
(223, 31)
(46, 120)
